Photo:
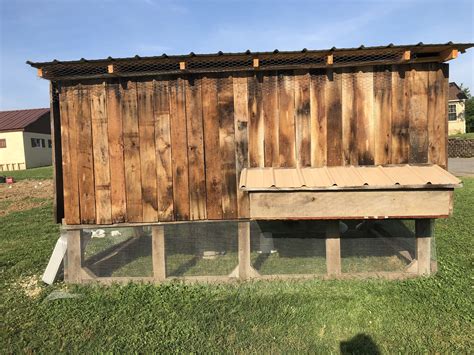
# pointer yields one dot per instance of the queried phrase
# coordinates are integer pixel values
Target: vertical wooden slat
(131, 146)
(400, 122)
(100, 146)
(179, 152)
(69, 155)
(318, 119)
(115, 137)
(164, 170)
(244, 250)
(74, 262)
(334, 118)
(270, 119)
(158, 252)
(85, 157)
(423, 234)
(286, 113)
(241, 118)
(303, 118)
(55, 123)
(333, 248)
(256, 122)
(211, 148)
(437, 104)
(417, 108)
(146, 128)
(194, 126)
(382, 115)
(365, 116)
(444, 99)
(349, 121)
(225, 109)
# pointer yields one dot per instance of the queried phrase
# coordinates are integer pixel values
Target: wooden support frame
(182, 65)
(423, 234)
(110, 68)
(406, 56)
(330, 59)
(333, 248)
(448, 54)
(158, 252)
(40, 72)
(256, 62)
(74, 256)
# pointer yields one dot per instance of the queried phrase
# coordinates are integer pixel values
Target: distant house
(456, 108)
(25, 139)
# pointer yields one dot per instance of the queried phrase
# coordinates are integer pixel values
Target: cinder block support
(423, 233)
(333, 248)
(244, 250)
(158, 252)
(74, 259)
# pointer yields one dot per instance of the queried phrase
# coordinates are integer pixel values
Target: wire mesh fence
(278, 248)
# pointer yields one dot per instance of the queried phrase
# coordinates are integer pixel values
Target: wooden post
(333, 248)
(244, 250)
(158, 252)
(74, 260)
(423, 233)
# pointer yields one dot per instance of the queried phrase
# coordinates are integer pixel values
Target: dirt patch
(24, 195)
(30, 286)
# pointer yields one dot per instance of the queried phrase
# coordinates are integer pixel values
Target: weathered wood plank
(74, 262)
(256, 122)
(164, 170)
(423, 234)
(302, 118)
(350, 204)
(158, 252)
(131, 147)
(365, 115)
(417, 110)
(383, 115)
(85, 156)
(318, 118)
(69, 155)
(334, 118)
(349, 119)
(400, 122)
(211, 148)
(103, 203)
(270, 119)
(179, 152)
(225, 110)
(437, 104)
(241, 118)
(286, 113)
(333, 248)
(146, 125)
(194, 126)
(116, 158)
(244, 250)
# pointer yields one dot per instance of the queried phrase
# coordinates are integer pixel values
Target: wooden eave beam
(40, 72)
(448, 54)
(110, 68)
(406, 56)
(182, 65)
(256, 62)
(330, 59)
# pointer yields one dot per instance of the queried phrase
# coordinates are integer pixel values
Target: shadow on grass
(360, 344)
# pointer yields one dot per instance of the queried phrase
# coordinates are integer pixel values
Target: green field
(432, 314)
(463, 135)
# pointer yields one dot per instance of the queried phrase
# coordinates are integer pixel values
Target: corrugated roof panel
(348, 177)
(20, 119)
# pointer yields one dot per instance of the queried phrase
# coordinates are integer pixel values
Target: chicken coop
(254, 165)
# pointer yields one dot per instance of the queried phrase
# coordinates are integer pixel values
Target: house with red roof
(456, 110)
(25, 139)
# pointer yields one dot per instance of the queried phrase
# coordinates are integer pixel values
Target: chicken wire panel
(377, 246)
(201, 249)
(117, 252)
(288, 247)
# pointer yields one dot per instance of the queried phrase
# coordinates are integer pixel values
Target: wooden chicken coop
(227, 166)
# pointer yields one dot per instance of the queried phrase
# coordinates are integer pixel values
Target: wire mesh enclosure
(230, 250)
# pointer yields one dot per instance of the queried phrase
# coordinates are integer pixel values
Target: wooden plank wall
(166, 149)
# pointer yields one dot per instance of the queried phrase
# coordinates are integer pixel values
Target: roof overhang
(248, 61)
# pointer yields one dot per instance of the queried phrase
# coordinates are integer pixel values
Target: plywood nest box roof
(248, 61)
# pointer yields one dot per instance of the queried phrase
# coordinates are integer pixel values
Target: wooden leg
(244, 250)
(158, 252)
(423, 233)
(333, 248)
(74, 260)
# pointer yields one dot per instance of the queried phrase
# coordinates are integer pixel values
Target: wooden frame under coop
(313, 163)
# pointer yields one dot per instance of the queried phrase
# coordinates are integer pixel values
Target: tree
(469, 113)
(465, 90)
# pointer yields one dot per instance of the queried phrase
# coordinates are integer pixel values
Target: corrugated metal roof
(416, 48)
(19, 119)
(347, 177)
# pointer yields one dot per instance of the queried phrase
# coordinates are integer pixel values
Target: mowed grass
(42, 173)
(432, 314)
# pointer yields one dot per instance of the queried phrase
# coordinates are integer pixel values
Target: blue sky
(42, 30)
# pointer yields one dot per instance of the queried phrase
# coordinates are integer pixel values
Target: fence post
(333, 248)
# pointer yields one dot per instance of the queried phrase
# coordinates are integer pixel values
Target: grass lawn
(42, 173)
(432, 314)
(463, 136)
